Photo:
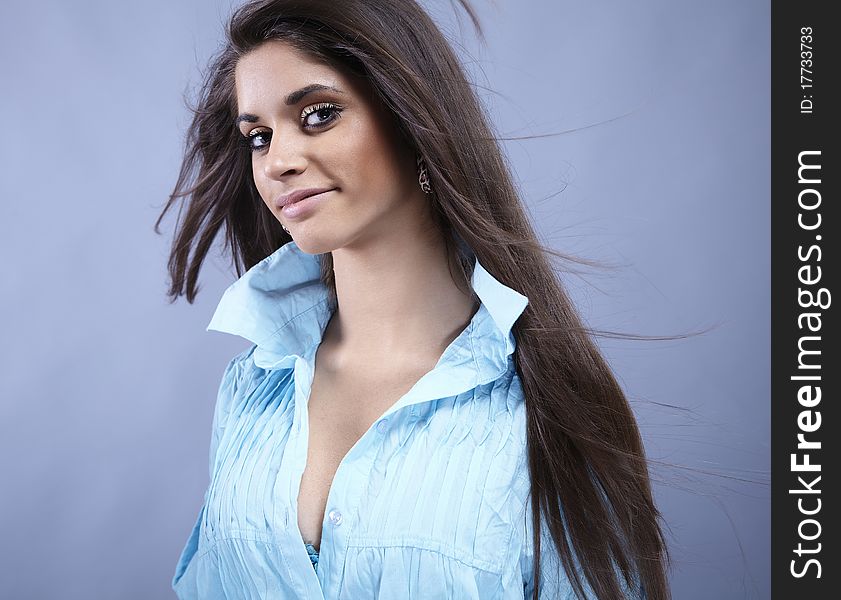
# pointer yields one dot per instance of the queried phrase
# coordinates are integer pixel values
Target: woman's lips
(301, 208)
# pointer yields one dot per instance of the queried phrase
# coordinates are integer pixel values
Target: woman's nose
(283, 159)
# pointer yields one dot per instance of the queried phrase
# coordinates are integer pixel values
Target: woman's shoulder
(502, 404)
(240, 366)
(237, 377)
(506, 396)
(243, 357)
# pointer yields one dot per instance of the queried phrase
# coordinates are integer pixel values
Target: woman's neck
(397, 302)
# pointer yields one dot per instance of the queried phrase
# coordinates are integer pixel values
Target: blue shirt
(431, 502)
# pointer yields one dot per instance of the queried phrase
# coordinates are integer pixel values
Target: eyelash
(335, 110)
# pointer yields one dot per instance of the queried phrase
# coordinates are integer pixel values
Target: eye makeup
(332, 111)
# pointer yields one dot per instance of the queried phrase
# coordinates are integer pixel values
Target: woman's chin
(310, 243)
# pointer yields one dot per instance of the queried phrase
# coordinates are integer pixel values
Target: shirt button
(335, 517)
(382, 425)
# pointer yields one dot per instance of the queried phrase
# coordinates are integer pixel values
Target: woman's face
(337, 138)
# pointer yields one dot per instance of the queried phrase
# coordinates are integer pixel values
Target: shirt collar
(281, 305)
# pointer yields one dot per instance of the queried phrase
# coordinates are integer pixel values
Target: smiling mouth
(304, 206)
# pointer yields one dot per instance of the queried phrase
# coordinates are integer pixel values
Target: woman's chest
(339, 413)
(435, 485)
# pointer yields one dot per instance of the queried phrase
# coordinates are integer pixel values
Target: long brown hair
(589, 475)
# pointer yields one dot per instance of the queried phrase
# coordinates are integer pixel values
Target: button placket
(344, 496)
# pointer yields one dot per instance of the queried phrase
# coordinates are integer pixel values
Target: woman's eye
(314, 117)
(257, 140)
(322, 114)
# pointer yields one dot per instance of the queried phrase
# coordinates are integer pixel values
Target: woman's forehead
(276, 69)
(283, 62)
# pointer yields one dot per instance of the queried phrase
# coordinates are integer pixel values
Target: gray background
(107, 391)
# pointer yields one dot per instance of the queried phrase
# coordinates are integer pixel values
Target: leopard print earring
(423, 175)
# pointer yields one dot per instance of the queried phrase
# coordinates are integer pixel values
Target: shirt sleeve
(225, 397)
(231, 379)
(554, 582)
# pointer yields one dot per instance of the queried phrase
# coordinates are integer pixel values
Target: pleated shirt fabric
(430, 503)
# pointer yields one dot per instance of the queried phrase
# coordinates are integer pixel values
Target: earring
(284, 228)
(423, 175)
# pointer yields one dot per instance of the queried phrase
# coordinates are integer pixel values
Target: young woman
(421, 413)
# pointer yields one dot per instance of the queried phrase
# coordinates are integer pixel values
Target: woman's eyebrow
(291, 99)
(298, 95)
